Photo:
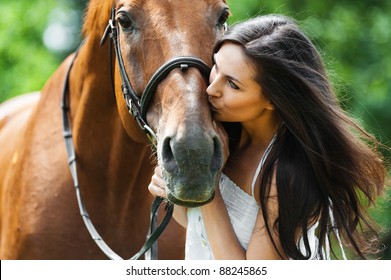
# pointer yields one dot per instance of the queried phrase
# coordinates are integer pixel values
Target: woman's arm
(222, 237)
(261, 246)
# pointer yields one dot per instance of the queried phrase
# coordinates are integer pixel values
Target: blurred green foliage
(25, 61)
(353, 36)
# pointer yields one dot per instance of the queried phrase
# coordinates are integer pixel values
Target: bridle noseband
(137, 107)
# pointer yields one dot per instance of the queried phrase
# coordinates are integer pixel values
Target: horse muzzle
(191, 167)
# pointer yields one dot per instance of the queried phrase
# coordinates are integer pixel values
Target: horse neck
(103, 148)
(90, 87)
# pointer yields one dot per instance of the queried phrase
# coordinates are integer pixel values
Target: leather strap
(67, 133)
(138, 106)
(182, 62)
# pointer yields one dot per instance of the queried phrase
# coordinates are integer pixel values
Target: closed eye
(232, 85)
(230, 80)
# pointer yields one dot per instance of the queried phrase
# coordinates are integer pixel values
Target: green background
(353, 36)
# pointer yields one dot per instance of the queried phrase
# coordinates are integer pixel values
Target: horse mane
(96, 17)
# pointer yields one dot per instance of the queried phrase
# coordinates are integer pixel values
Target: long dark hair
(327, 166)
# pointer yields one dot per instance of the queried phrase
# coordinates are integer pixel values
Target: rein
(137, 107)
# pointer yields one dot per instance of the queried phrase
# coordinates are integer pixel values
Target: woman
(299, 168)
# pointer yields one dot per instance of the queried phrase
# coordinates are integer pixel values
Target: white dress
(242, 210)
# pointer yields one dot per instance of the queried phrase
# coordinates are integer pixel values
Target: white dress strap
(261, 162)
(335, 229)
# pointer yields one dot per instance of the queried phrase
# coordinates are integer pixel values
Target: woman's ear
(270, 106)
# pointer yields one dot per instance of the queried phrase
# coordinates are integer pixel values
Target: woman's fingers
(157, 186)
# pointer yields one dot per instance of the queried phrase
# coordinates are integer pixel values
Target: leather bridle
(137, 107)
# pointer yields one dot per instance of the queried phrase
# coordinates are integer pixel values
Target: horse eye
(223, 18)
(125, 21)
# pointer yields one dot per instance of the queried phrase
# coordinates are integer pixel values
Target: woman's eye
(232, 85)
(124, 21)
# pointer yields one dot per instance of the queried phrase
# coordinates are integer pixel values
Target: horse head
(148, 34)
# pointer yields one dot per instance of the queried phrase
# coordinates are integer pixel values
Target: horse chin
(189, 203)
(193, 191)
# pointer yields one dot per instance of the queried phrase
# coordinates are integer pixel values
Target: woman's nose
(212, 89)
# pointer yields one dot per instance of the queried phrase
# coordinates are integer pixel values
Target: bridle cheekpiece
(138, 106)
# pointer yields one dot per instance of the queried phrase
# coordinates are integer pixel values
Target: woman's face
(233, 93)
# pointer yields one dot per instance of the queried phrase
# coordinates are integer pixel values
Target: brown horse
(40, 217)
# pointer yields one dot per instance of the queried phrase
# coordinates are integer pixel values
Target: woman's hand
(157, 186)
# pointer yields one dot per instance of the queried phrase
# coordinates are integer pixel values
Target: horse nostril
(169, 162)
(217, 157)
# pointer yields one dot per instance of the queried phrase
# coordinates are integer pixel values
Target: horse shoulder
(32, 164)
(16, 106)
(14, 117)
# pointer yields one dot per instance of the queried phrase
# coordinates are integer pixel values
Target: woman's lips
(213, 108)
